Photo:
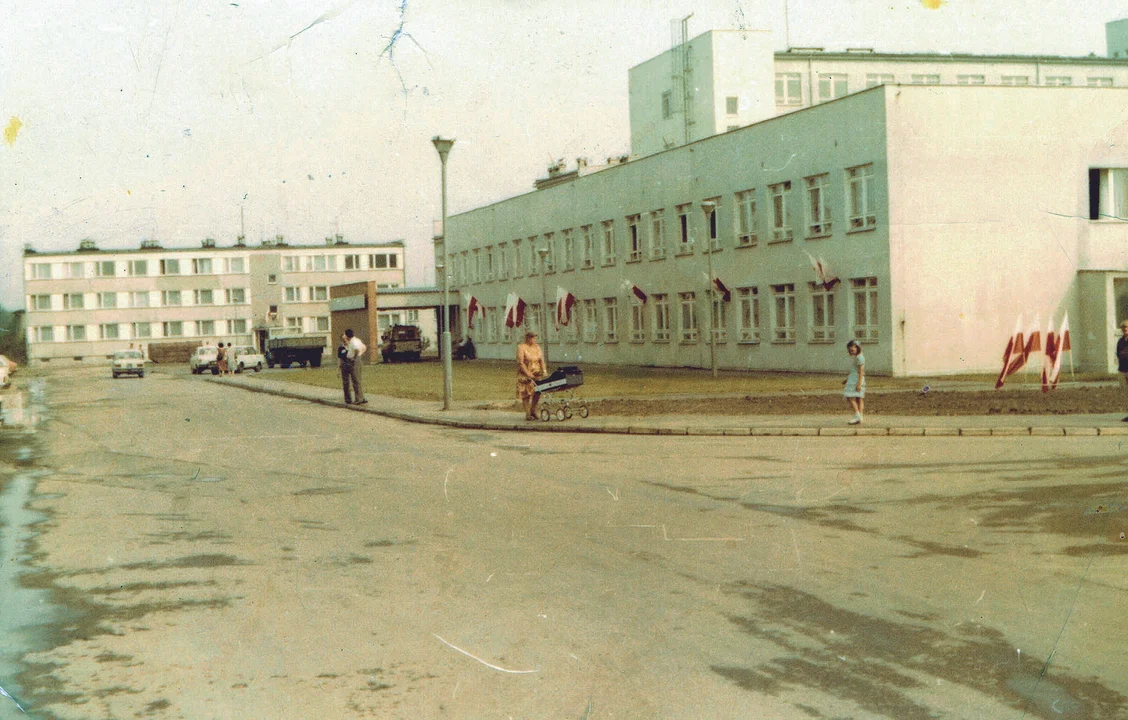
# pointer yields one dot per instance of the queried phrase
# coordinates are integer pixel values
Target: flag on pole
(473, 307)
(514, 310)
(564, 302)
(1014, 357)
(823, 274)
(1034, 338)
(1063, 335)
(726, 294)
(638, 293)
(1051, 359)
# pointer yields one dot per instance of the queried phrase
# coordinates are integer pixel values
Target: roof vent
(860, 51)
(208, 243)
(339, 239)
(241, 241)
(150, 244)
(87, 245)
(279, 239)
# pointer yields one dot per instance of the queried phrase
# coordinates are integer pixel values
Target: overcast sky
(160, 118)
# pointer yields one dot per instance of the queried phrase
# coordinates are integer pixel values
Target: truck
(304, 349)
(401, 342)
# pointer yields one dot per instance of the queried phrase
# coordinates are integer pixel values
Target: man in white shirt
(351, 361)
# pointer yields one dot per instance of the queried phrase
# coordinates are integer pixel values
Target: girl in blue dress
(856, 383)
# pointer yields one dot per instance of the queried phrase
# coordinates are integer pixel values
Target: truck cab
(401, 342)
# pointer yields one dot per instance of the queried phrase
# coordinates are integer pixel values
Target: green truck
(401, 342)
(305, 349)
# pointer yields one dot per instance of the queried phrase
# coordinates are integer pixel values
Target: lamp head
(443, 145)
(708, 207)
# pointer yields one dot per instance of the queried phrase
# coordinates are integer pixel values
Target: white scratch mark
(490, 577)
(454, 694)
(981, 596)
(793, 156)
(615, 494)
(487, 664)
(666, 536)
(17, 702)
(445, 479)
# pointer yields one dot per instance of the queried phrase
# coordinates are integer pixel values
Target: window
(170, 267)
(237, 327)
(534, 259)
(788, 89)
(822, 314)
(685, 242)
(170, 298)
(108, 331)
(1099, 82)
(291, 294)
(1015, 80)
(714, 238)
(74, 301)
(608, 248)
(319, 293)
(781, 230)
(204, 297)
(749, 302)
(234, 265)
(861, 209)
(667, 105)
(137, 268)
(569, 250)
(294, 323)
(611, 319)
(638, 321)
(488, 264)
(107, 300)
(44, 333)
(864, 297)
(746, 219)
(719, 318)
(831, 85)
(657, 234)
(272, 279)
(105, 268)
(142, 330)
(75, 270)
(320, 323)
(39, 302)
(926, 79)
(377, 261)
(732, 105)
(502, 261)
(393, 260)
(688, 317)
(591, 321)
(202, 266)
(550, 257)
(352, 262)
(661, 317)
(1108, 193)
(783, 315)
(40, 271)
(76, 333)
(475, 266)
(318, 263)
(139, 299)
(634, 238)
(236, 296)
(412, 317)
(533, 319)
(205, 327)
(970, 79)
(818, 209)
(875, 79)
(172, 328)
(587, 259)
(1059, 80)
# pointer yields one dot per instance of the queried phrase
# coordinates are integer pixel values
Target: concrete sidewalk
(471, 415)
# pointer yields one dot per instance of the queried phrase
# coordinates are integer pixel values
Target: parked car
(8, 363)
(5, 373)
(245, 357)
(128, 362)
(206, 357)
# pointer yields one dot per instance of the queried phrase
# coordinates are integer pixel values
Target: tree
(13, 341)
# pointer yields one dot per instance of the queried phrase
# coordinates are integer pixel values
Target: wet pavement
(211, 553)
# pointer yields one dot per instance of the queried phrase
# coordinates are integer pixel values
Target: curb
(707, 431)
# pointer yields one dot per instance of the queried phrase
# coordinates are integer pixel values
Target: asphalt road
(213, 553)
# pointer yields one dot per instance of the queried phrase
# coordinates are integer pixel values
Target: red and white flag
(1051, 359)
(638, 293)
(1034, 338)
(726, 294)
(473, 307)
(514, 310)
(1063, 335)
(823, 274)
(1014, 357)
(564, 303)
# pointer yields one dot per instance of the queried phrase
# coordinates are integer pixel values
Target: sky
(159, 119)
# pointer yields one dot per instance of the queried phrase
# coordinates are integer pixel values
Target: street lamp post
(543, 252)
(443, 146)
(708, 207)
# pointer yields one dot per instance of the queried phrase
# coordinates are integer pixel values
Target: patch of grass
(495, 381)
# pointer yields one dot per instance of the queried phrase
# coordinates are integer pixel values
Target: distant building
(85, 304)
(944, 211)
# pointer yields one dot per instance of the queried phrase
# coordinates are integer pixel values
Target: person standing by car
(351, 361)
(221, 359)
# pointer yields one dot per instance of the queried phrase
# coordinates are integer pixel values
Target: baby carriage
(559, 390)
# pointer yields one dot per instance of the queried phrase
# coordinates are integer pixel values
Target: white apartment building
(726, 79)
(945, 212)
(85, 304)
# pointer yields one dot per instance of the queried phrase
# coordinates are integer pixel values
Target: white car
(245, 357)
(206, 357)
(128, 362)
(5, 375)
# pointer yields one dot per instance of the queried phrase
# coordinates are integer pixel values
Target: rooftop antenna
(786, 25)
(682, 72)
(242, 229)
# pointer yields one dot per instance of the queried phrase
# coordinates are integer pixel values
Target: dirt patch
(1083, 400)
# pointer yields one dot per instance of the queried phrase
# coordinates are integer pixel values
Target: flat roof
(31, 252)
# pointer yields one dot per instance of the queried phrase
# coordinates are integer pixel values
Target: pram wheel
(545, 415)
(567, 413)
(560, 414)
(583, 411)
